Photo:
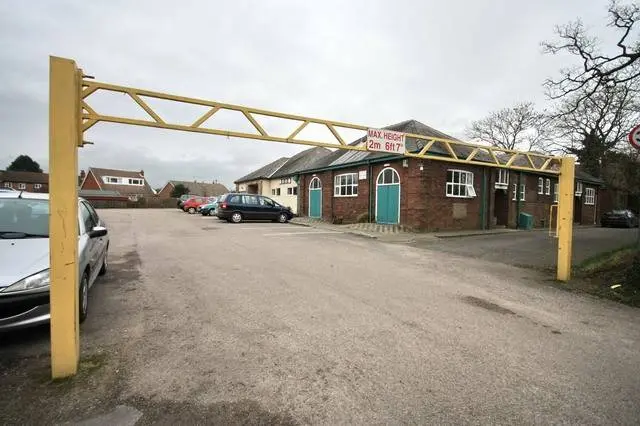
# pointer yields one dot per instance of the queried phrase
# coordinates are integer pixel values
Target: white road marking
(278, 234)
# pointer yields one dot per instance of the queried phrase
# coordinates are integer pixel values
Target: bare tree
(597, 69)
(597, 125)
(517, 127)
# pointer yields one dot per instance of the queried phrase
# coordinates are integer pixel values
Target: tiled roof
(264, 172)
(301, 161)
(204, 189)
(24, 177)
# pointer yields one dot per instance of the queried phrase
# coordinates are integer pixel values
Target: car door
(268, 209)
(251, 207)
(89, 252)
(99, 242)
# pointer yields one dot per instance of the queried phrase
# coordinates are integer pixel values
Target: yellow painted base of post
(64, 131)
(565, 218)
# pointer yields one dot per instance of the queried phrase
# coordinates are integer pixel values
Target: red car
(191, 205)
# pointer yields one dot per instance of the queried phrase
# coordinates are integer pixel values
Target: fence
(142, 203)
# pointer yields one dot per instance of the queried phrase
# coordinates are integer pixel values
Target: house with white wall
(278, 179)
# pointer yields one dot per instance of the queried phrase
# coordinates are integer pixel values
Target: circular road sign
(634, 137)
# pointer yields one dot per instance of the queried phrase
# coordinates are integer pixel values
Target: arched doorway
(315, 198)
(388, 197)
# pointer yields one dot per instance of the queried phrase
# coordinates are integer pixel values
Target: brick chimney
(82, 175)
(141, 172)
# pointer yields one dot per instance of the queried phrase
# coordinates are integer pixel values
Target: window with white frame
(37, 186)
(285, 180)
(460, 184)
(315, 183)
(292, 191)
(555, 192)
(590, 196)
(111, 179)
(540, 186)
(346, 185)
(138, 182)
(547, 186)
(8, 185)
(519, 196)
(502, 180)
(22, 186)
(275, 191)
(578, 189)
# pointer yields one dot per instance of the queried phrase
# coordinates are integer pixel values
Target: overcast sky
(366, 62)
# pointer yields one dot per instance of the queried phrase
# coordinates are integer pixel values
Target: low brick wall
(143, 203)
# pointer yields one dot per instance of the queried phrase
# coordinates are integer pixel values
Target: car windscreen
(24, 216)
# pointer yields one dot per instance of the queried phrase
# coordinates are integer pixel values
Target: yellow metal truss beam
(451, 150)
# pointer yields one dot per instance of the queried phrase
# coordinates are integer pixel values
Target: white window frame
(515, 192)
(292, 190)
(519, 195)
(502, 179)
(590, 196)
(135, 181)
(579, 189)
(547, 186)
(273, 191)
(285, 180)
(340, 188)
(467, 186)
(540, 186)
(556, 188)
(523, 192)
(22, 186)
(37, 186)
(8, 185)
(107, 180)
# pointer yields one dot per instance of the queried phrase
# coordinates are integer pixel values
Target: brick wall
(165, 192)
(29, 187)
(535, 204)
(90, 182)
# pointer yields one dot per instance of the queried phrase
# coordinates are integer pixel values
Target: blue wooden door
(388, 197)
(315, 198)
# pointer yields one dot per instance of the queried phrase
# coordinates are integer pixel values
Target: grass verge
(614, 275)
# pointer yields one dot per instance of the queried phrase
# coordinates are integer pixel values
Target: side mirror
(98, 231)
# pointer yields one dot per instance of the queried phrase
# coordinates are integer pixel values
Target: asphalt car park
(199, 320)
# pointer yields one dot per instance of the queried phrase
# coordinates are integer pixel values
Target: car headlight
(41, 279)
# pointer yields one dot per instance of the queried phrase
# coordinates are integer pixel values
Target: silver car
(24, 258)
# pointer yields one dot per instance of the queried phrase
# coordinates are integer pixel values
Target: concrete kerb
(319, 224)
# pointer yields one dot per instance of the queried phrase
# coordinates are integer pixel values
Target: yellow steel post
(64, 131)
(565, 217)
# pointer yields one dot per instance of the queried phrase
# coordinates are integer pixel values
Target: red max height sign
(634, 137)
(385, 141)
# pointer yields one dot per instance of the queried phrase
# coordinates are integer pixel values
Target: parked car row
(238, 207)
(192, 203)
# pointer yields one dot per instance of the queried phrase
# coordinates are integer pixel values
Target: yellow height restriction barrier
(70, 114)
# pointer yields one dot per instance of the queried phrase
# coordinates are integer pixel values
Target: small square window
(22, 186)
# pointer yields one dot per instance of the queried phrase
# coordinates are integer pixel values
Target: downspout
(483, 204)
(518, 200)
(369, 172)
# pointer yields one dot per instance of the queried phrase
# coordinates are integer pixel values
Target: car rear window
(235, 199)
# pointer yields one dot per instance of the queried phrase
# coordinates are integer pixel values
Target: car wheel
(283, 218)
(103, 269)
(83, 297)
(192, 210)
(236, 217)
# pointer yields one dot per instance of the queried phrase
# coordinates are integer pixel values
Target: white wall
(284, 198)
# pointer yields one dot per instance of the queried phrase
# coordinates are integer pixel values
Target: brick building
(24, 181)
(362, 186)
(131, 184)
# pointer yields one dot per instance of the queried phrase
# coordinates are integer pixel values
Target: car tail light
(223, 206)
